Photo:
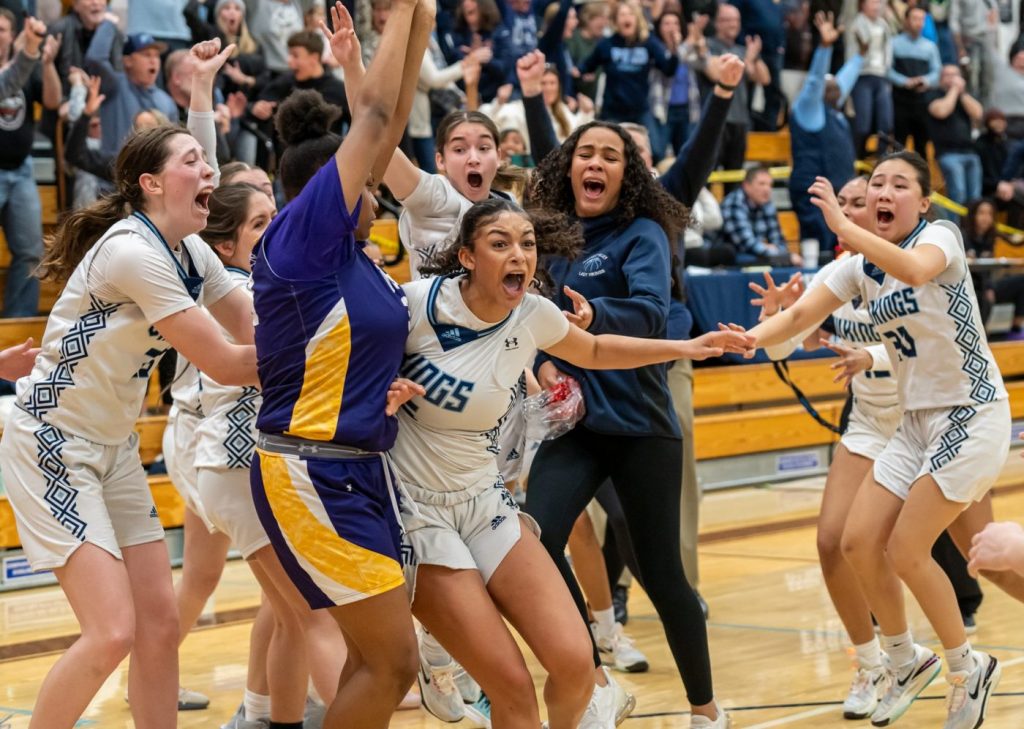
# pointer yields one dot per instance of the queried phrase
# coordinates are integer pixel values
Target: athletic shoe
(238, 721)
(868, 687)
(191, 700)
(439, 693)
(313, 718)
(623, 702)
(908, 681)
(967, 699)
(468, 688)
(600, 712)
(702, 722)
(479, 712)
(703, 604)
(620, 600)
(619, 650)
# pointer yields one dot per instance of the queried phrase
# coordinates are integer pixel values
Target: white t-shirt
(854, 329)
(226, 436)
(100, 344)
(933, 332)
(448, 439)
(430, 217)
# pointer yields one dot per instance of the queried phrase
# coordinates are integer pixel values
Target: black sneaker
(620, 598)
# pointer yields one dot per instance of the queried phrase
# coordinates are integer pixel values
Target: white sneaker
(868, 687)
(702, 722)
(468, 688)
(624, 702)
(439, 693)
(620, 649)
(238, 721)
(478, 714)
(907, 682)
(969, 691)
(609, 705)
(191, 700)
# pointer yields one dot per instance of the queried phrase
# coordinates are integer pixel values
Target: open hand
(825, 23)
(851, 362)
(95, 98)
(583, 312)
(773, 298)
(823, 197)
(715, 344)
(343, 41)
(400, 392)
(18, 361)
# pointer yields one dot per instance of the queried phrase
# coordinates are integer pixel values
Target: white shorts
(226, 496)
(179, 444)
(870, 428)
(66, 491)
(962, 448)
(475, 534)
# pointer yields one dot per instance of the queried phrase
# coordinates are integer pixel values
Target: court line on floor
(775, 557)
(11, 711)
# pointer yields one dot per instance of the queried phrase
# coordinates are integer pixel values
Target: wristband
(727, 87)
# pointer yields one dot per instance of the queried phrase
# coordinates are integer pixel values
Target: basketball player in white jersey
(953, 438)
(473, 331)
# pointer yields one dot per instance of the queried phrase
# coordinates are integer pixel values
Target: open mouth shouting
(202, 201)
(475, 181)
(884, 217)
(514, 283)
(593, 188)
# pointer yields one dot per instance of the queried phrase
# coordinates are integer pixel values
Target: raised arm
(209, 59)
(530, 69)
(53, 91)
(16, 75)
(97, 57)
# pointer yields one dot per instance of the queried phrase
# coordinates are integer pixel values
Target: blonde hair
(244, 42)
(643, 30)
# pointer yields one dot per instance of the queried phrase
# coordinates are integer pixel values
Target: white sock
(869, 655)
(900, 648)
(605, 620)
(256, 706)
(432, 651)
(960, 658)
(312, 693)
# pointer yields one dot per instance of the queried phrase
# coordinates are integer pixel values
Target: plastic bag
(554, 412)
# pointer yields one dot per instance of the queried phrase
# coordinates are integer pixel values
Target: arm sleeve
(644, 312)
(847, 77)
(97, 58)
(945, 240)
(810, 102)
(550, 42)
(202, 126)
(78, 154)
(879, 358)
(16, 75)
(432, 77)
(540, 127)
(597, 57)
(547, 324)
(315, 231)
(892, 74)
(934, 66)
(690, 172)
(845, 280)
(661, 59)
(129, 267)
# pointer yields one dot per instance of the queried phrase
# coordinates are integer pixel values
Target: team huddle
(349, 436)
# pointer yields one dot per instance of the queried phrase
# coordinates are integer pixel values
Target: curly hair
(556, 235)
(639, 197)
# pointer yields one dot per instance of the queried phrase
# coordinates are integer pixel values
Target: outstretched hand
(824, 198)
(18, 361)
(773, 298)
(851, 362)
(997, 548)
(583, 312)
(715, 344)
(343, 41)
(400, 392)
(825, 23)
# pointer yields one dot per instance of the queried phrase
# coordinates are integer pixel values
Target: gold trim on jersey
(315, 415)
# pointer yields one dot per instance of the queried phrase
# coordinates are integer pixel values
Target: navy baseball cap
(141, 41)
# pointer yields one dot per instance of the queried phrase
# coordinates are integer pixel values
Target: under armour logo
(512, 343)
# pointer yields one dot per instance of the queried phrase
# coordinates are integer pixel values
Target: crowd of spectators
(841, 75)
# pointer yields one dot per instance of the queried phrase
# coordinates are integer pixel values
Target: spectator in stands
(1009, 79)
(77, 30)
(246, 66)
(20, 210)
(733, 151)
(915, 70)
(560, 22)
(272, 23)
(162, 19)
(518, 17)
(478, 23)
(379, 12)
(763, 19)
(627, 57)
(980, 236)
(939, 10)
(673, 98)
(593, 22)
(838, 10)
(975, 27)
(129, 91)
(751, 223)
(820, 135)
(993, 148)
(952, 113)
(307, 72)
(872, 95)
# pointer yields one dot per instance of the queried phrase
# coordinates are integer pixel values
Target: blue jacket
(624, 274)
(627, 72)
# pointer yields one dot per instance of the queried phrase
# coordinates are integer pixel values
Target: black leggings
(646, 472)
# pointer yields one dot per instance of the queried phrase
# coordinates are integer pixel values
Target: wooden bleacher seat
(769, 147)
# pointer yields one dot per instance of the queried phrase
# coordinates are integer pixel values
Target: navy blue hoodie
(624, 274)
(627, 70)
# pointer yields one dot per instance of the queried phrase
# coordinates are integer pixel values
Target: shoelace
(957, 696)
(862, 682)
(443, 680)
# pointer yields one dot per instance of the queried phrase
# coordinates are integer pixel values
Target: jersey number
(902, 342)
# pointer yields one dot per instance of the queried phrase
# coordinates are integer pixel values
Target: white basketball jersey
(430, 215)
(227, 432)
(933, 332)
(186, 388)
(100, 344)
(448, 438)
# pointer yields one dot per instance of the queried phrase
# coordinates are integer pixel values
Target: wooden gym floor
(777, 647)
